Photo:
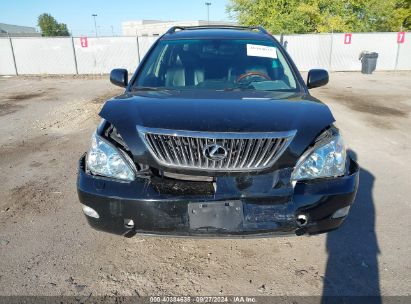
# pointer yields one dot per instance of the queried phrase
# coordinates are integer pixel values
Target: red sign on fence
(84, 42)
(347, 38)
(400, 37)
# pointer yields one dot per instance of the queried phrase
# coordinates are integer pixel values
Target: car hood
(214, 111)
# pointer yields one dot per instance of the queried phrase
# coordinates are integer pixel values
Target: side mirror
(119, 77)
(317, 78)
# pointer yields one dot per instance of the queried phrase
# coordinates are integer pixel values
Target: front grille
(215, 151)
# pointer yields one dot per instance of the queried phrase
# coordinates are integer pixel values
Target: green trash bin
(368, 62)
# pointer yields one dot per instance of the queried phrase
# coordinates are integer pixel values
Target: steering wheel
(251, 74)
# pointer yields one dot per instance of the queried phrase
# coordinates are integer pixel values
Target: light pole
(208, 11)
(95, 24)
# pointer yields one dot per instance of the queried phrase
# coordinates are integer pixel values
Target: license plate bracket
(227, 216)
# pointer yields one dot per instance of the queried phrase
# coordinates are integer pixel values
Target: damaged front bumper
(231, 206)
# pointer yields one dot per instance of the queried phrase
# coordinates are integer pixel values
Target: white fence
(100, 55)
(330, 52)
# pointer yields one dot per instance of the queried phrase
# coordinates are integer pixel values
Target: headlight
(106, 160)
(325, 159)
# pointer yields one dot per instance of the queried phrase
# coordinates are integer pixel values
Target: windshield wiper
(150, 89)
(237, 89)
(240, 87)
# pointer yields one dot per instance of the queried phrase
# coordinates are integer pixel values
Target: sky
(77, 13)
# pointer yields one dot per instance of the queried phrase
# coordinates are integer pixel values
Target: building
(10, 30)
(157, 27)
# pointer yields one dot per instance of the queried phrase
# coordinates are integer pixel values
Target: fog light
(90, 212)
(341, 212)
(129, 223)
(302, 220)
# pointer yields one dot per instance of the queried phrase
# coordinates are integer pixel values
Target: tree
(316, 16)
(50, 27)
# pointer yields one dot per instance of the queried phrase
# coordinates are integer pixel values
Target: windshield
(216, 64)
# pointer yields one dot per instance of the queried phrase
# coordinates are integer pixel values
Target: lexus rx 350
(216, 134)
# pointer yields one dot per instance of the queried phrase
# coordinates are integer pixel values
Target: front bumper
(253, 206)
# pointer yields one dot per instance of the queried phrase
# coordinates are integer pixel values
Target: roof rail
(239, 27)
(174, 28)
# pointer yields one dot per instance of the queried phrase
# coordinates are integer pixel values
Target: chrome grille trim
(245, 151)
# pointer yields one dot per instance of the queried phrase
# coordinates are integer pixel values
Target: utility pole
(112, 31)
(95, 24)
(208, 4)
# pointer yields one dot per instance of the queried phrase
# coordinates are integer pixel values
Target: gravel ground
(47, 248)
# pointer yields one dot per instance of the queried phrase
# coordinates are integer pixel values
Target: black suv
(216, 134)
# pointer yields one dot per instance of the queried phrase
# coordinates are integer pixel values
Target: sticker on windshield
(261, 51)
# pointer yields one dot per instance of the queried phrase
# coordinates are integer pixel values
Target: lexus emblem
(215, 152)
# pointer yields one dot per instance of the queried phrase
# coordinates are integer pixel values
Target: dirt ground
(47, 248)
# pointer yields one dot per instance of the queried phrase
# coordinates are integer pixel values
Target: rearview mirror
(317, 78)
(119, 77)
